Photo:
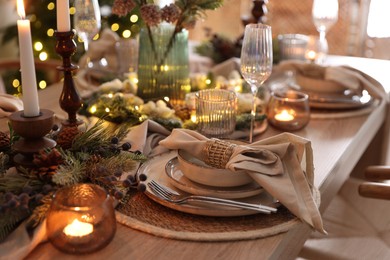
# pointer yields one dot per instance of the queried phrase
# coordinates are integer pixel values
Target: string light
(42, 84)
(50, 32)
(50, 6)
(43, 56)
(15, 83)
(134, 18)
(126, 34)
(93, 109)
(38, 46)
(115, 27)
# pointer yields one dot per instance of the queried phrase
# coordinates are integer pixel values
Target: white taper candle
(29, 81)
(63, 18)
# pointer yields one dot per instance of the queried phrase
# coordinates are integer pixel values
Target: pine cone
(46, 173)
(170, 13)
(4, 141)
(151, 14)
(47, 158)
(182, 111)
(66, 136)
(94, 159)
(122, 7)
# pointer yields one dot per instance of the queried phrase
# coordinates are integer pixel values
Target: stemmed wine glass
(256, 61)
(325, 15)
(87, 21)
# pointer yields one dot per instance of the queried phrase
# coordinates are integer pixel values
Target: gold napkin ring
(217, 153)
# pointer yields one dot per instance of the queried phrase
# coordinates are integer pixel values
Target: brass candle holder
(70, 100)
(32, 131)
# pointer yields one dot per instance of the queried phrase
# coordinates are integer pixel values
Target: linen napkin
(9, 104)
(282, 165)
(313, 77)
(146, 136)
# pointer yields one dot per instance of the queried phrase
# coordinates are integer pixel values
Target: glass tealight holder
(216, 112)
(81, 219)
(288, 110)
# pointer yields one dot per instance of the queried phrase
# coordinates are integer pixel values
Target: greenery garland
(95, 156)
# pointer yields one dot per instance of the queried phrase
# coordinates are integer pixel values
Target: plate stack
(186, 175)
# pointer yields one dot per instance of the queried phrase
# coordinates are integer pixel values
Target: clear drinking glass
(292, 46)
(216, 112)
(325, 15)
(256, 61)
(87, 21)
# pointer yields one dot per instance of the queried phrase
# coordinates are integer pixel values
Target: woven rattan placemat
(143, 214)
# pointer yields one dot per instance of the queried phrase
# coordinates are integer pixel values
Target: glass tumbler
(288, 110)
(292, 46)
(216, 112)
(81, 219)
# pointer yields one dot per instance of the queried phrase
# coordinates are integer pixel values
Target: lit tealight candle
(27, 66)
(78, 229)
(311, 55)
(193, 118)
(284, 116)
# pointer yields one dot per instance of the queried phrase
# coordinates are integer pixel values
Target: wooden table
(338, 145)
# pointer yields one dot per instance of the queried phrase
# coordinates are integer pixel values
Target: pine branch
(71, 172)
(10, 220)
(99, 135)
(15, 182)
(39, 213)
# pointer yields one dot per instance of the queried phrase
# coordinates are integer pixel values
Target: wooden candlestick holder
(259, 12)
(32, 131)
(70, 100)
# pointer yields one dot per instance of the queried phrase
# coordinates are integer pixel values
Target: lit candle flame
(20, 8)
(284, 116)
(78, 229)
(193, 118)
(311, 55)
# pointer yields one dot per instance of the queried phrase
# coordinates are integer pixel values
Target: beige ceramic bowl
(198, 171)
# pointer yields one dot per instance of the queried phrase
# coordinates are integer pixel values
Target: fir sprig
(10, 220)
(39, 213)
(15, 182)
(99, 136)
(71, 172)
(4, 159)
(25, 192)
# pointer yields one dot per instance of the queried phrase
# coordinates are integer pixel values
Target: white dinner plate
(154, 169)
(346, 100)
(172, 169)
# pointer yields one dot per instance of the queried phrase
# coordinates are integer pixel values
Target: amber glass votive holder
(288, 110)
(81, 219)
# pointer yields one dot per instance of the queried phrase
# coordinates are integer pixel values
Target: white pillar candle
(63, 18)
(29, 81)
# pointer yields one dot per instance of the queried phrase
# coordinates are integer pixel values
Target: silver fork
(174, 197)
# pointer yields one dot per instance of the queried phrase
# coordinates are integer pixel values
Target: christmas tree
(42, 14)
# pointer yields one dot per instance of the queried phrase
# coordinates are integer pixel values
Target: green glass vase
(163, 66)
